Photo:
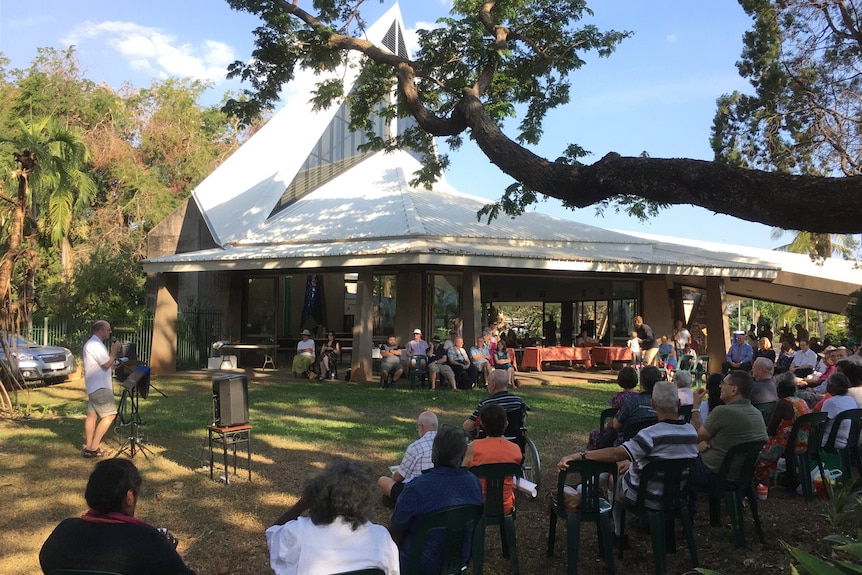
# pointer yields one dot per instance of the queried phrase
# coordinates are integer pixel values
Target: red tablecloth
(534, 356)
(608, 355)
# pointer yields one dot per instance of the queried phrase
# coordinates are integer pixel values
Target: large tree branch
(807, 203)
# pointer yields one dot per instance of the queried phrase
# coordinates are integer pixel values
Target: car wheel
(56, 380)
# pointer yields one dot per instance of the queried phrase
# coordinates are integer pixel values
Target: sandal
(89, 453)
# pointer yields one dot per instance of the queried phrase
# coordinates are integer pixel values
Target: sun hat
(305, 332)
(417, 330)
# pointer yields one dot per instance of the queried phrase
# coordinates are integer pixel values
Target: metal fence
(196, 332)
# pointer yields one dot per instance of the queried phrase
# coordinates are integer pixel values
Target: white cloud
(411, 38)
(147, 48)
(671, 38)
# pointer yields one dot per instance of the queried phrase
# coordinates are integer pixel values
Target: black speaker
(230, 400)
(129, 349)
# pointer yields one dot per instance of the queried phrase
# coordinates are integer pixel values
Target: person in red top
(494, 449)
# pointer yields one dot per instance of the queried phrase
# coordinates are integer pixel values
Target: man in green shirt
(735, 422)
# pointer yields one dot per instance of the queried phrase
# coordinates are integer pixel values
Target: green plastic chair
(686, 362)
(593, 508)
(457, 523)
(494, 475)
(799, 459)
(735, 482)
(673, 475)
(606, 415)
(850, 453)
(700, 370)
(766, 410)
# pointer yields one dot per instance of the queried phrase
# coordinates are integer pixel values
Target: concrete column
(717, 327)
(363, 329)
(471, 308)
(163, 355)
(567, 323)
(408, 312)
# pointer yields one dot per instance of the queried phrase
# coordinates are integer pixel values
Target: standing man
(739, 356)
(649, 346)
(549, 331)
(416, 460)
(101, 409)
(681, 338)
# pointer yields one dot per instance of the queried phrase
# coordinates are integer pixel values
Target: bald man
(416, 460)
(101, 410)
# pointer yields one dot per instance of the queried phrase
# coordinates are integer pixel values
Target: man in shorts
(438, 364)
(390, 364)
(101, 409)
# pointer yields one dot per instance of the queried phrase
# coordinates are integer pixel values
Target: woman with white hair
(682, 381)
(336, 535)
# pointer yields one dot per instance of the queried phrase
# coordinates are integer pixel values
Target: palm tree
(59, 189)
(819, 246)
(48, 161)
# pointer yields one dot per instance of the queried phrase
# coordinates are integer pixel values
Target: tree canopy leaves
(489, 61)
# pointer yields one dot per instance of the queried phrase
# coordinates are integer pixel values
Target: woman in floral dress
(788, 408)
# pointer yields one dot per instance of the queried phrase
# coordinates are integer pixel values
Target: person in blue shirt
(739, 356)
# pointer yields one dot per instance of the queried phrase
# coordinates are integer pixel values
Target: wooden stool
(230, 435)
(267, 360)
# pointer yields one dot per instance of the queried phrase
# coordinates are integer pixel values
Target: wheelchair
(532, 464)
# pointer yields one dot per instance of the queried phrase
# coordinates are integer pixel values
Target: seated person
(438, 364)
(740, 356)
(835, 405)
(627, 379)
(390, 364)
(336, 535)
(513, 405)
(416, 460)
(667, 352)
(503, 360)
(466, 373)
(804, 360)
(788, 408)
(682, 381)
(670, 438)
(480, 355)
(329, 353)
(304, 355)
(637, 411)
(108, 537)
(416, 350)
(494, 448)
(584, 340)
(446, 485)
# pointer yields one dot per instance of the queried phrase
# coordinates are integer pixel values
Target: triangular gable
(281, 163)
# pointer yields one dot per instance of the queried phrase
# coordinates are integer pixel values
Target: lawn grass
(298, 428)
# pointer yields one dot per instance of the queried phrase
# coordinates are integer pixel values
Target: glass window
(446, 306)
(384, 299)
(261, 310)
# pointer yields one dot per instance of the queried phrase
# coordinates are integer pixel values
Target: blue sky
(656, 93)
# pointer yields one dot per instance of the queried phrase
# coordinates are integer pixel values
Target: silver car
(39, 362)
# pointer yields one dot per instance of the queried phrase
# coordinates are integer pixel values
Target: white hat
(417, 330)
(305, 332)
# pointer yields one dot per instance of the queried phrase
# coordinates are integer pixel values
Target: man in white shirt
(101, 409)
(804, 360)
(417, 457)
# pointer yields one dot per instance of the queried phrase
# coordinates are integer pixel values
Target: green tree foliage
(502, 60)
(803, 60)
(138, 154)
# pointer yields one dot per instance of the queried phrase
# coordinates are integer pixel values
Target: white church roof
(369, 214)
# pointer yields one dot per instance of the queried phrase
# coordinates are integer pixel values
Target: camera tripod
(128, 414)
